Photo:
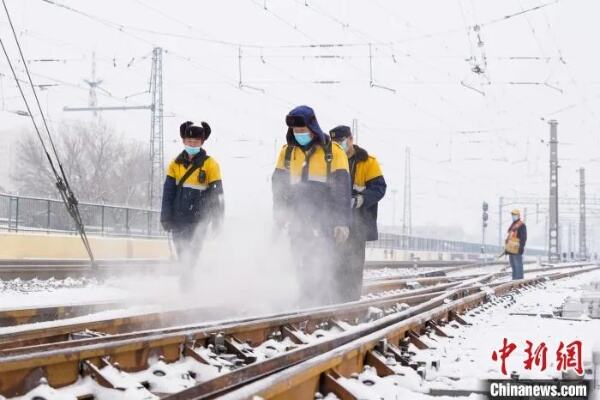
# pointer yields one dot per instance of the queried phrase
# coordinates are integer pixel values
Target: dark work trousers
(317, 258)
(350, 277)
(188, 240)
(516, 263)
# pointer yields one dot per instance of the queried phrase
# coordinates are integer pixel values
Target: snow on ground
(466, 359)
(463, 360)
(19, 293)
(39, 285)
(469, 353)
(388, 272)
(133, 295)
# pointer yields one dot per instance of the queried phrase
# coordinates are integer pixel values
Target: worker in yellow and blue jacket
(192, 193)
(368, 188)
(311, 199)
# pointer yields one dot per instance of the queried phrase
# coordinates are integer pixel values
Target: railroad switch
(86, 334)
(242, 350)
(382, 346)
(231, 350)
(374, 314)
(413, 285)
(217, 341)
(276, 335)
(293, 334)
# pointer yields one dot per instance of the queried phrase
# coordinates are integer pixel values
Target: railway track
(27, 315)
(108, 326)
(155, 319)
(12, 317)
(383, 285)
(383, 345)
(417, 263)
(214, 358)
(71, 268)
(61, 269)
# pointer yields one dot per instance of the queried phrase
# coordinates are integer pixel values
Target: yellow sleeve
(213, 171)
(340, 159)
(281, 158)
(171, 169)
(373, 169)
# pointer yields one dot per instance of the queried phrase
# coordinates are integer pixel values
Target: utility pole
(484, 224)
(407, 212)
(355, 130)
(394, 191)
(93, 83)
(553, 227)
(582, 215)
(500, 207)
(156, 126)
(156, 129)
(570, 241)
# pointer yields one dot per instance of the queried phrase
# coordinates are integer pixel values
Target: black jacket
(368, 182)
(198, 199)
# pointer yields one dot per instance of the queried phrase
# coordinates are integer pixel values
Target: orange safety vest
(513, 243)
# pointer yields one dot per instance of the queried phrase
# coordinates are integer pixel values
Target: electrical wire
(62, 183)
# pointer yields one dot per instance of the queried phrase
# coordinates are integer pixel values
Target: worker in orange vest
(514, 244)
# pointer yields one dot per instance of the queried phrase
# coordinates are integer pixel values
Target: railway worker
(514, 244)
(311, 201)
(192, 194)
(368, 188)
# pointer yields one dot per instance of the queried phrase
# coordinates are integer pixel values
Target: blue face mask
(515, 218)
(303, 138)
(344, 144)
(192, 151)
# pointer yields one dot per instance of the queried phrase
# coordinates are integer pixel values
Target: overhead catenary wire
(372, 82)
(315, 44)
(249, 76)
(62, 183)
(233, 82)
(565, 65)
(123, 28)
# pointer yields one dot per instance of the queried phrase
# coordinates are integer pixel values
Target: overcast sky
(473, 136)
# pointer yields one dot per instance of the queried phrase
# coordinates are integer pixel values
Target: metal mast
(407, 212)
(582, 215)
(156, 129)
(156, 126)
(93, 83)
(500, 207)
(553, 228)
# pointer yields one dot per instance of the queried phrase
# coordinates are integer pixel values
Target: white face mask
(515, 218)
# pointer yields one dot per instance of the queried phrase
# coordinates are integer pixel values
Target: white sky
(467, 147)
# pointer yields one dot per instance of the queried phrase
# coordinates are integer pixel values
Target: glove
(341, 233)
(166, 225)
(357, 201)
